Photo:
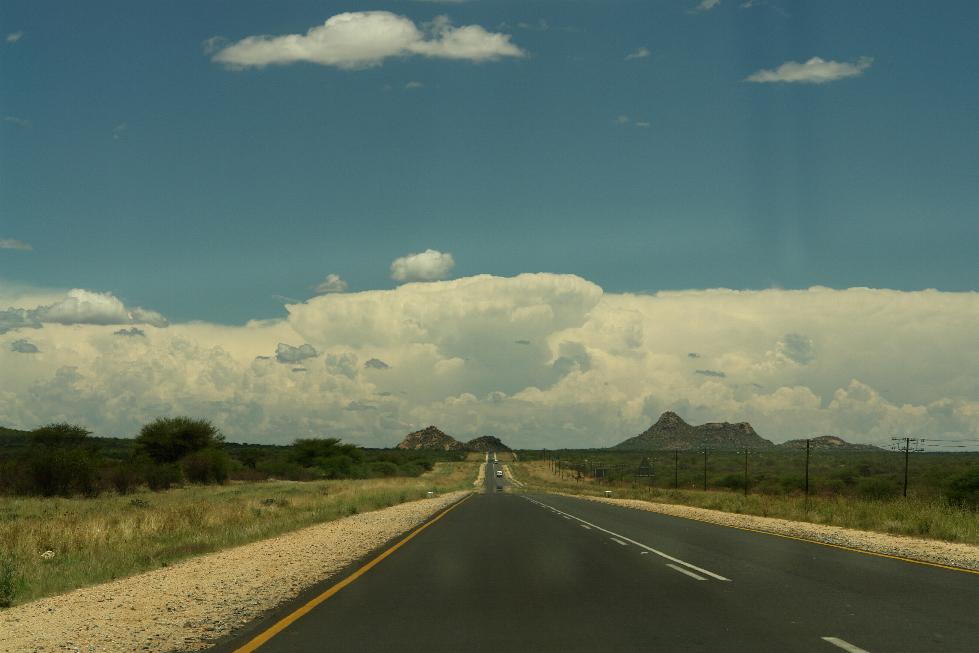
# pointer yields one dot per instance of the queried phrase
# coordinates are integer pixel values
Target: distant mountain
(486, 443)
(431, 437)
(671, 432)
(828, 442)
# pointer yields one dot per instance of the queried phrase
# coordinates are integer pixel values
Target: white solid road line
(631, 541)
(618, 541)
(845, 645)
(584, 526)
(684, 571)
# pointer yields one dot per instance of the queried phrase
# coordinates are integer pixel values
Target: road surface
(521, 572)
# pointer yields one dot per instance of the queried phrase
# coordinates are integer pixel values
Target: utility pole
(807, 474)
(907, 455)
(746, 471)
(705, 467)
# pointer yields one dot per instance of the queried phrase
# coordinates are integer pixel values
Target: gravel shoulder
(953, 554)
(191, 604)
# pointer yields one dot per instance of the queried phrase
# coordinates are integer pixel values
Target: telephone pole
(807, 474)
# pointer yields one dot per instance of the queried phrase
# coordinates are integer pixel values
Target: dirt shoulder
(191, 604)
(953, 554)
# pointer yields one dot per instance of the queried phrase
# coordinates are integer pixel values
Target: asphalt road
(512, 572)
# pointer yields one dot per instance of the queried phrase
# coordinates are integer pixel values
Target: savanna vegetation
(52, 545)
(64, 460)
(938, 506)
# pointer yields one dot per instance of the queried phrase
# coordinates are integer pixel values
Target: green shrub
(162, 477)
(876, 488)
(964, 489)
(8, 579)
(170, 439)
(206, 466)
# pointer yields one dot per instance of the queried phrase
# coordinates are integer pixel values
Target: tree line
(61, 459)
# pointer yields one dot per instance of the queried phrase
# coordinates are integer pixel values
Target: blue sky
(133, 163)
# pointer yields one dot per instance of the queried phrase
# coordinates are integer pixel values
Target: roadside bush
(964, 489)
(122, 477)
(384, 468)
(61, 462)
(876, 488)
(169, 439)
(206, 466)
(8, 579)
(162, 477)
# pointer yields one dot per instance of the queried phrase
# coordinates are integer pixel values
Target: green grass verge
(100, 539)
(930, 518)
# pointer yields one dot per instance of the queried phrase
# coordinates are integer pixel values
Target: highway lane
(507, 571)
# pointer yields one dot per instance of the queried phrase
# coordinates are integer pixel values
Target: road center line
(684, 571)
(845, 645)
(631, 541)
(617, 541)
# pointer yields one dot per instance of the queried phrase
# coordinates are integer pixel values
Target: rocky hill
(832, 442)
(431, 437)
(671, 432)
(486, 443)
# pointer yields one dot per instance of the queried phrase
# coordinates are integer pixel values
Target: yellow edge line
(289, 619)
(803, 539)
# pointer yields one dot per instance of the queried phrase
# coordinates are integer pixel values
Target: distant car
(499, 473)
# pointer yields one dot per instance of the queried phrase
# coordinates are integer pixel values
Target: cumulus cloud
(130, 332)
(332, 283)
(814, 71)
(641, 53)
(14, 120)
(714, 373)
(376, 364)
(78, 306)
(366, 38)
(15, 244)
(119, 131)
(429, 265)
(796, 348)
(288, 354)
(87, 307)
(13, 37)
(413, 85)
(602, 367)
(24, 347)
(705, 5)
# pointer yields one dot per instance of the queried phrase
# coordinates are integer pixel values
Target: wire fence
(920, 467)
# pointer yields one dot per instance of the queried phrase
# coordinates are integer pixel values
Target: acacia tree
(170, 439)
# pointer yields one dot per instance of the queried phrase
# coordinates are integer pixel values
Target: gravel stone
(208, 594)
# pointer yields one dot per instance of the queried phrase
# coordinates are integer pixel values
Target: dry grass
(96, 540)
(925, 518)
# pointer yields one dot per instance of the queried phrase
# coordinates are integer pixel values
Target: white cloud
(288, 354)
(24, 347)
(15, 244)
(429, 265)
(13, 37)
(413, 85)
(78, 306)
(119, 131)
(332, 283)
(814, 71)
(705, 5)
(14, 120)
(592, 368)
(641, 53)
(642, 124)
(621, 120)
(364, 39)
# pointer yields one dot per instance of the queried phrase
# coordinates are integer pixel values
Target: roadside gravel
(953, 554)
(189, 605)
